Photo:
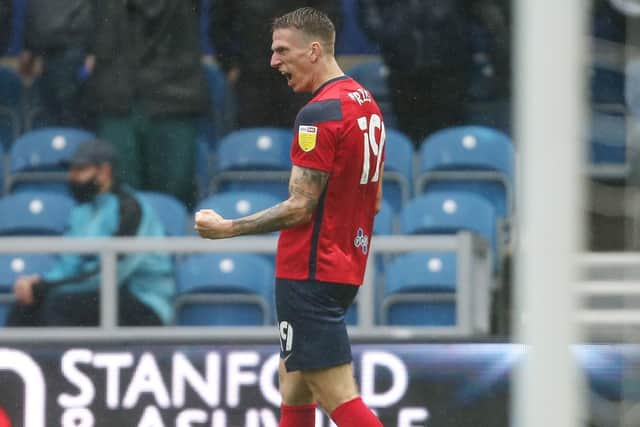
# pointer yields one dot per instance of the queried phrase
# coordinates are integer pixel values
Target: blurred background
(183, 91)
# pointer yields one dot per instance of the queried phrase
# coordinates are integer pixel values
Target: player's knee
(330, 392)
(293, 389)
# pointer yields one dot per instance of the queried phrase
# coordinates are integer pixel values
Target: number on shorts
(286, 336)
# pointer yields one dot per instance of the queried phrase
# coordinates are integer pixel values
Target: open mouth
(286, 75)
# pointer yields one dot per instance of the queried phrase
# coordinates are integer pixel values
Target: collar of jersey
(328, 82)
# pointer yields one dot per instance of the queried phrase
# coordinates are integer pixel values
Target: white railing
(472, 294)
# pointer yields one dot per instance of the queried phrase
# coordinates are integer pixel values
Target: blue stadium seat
(449, 212)
(398, 169)
(37, 158)
(607, 86)
(11, 99)
(474, 159)
(420, 289)
(2, 169)
(4, 311)
(383, 223)
(608, 145)
(224, 289)
(12, 266)
(34, 213)
(254, 159)
(171, 211)
(372, 75)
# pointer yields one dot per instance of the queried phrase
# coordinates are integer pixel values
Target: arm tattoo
(308, 186)
(305, 188)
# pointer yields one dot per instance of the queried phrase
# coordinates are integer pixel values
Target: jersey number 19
(371, 146)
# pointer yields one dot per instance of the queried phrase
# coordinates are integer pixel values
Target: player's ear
(315, 52)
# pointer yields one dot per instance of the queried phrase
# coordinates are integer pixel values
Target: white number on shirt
(371, 146)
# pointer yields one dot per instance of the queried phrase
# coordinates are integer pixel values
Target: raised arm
(305, 189)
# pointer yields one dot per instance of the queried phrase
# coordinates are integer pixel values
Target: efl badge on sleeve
(307, 136)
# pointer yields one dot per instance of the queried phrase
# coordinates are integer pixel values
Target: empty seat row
(437, 212)
(478, 160)
(237, 289)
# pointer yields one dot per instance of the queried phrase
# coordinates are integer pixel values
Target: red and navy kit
(340, 131)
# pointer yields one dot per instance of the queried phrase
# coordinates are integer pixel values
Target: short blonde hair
(312, 22)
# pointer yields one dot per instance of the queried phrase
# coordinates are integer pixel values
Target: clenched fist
(210, 225)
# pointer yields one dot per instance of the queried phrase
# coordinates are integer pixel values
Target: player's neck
(328, 71)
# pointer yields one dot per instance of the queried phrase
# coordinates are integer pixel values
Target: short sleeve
(316, 133)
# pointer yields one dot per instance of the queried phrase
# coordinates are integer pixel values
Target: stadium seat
(11, 98)
(2, 169)
(12, 266)
(420, 290)
(608, 146)
(171, 212)
(398, 169)
(372, 75)
(449, 212)
(607, 86)
(224, 289)
(37, 158)
(254, 159)
(384, 223)
(34, 213)
(474, 159)
(4, 311)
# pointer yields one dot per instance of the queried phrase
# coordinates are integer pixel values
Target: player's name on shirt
(360, 96)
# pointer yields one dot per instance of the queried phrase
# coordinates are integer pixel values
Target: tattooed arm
(305, 188)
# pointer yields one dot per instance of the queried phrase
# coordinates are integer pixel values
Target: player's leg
(298, 408)
(335, 391)
(314, 341)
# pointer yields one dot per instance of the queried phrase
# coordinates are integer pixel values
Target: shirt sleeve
(316, 135)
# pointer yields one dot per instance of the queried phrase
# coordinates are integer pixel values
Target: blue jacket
(149, 276)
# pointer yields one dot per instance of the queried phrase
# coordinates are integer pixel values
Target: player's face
(291, 56)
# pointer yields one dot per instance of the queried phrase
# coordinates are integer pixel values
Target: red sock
(298, 416)
(355, 413)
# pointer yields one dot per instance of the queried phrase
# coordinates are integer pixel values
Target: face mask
(84, 191)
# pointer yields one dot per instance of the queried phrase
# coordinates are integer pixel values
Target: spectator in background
(13, 32)
(490, 83)
(58, 32)
(5, 25)
(238, 28)
(427, 48)
(206, 41)
(148, 89)
(68, 295)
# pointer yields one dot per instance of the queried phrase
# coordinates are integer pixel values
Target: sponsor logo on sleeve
(307, 137)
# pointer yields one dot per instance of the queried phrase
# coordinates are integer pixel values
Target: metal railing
(472, 298)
